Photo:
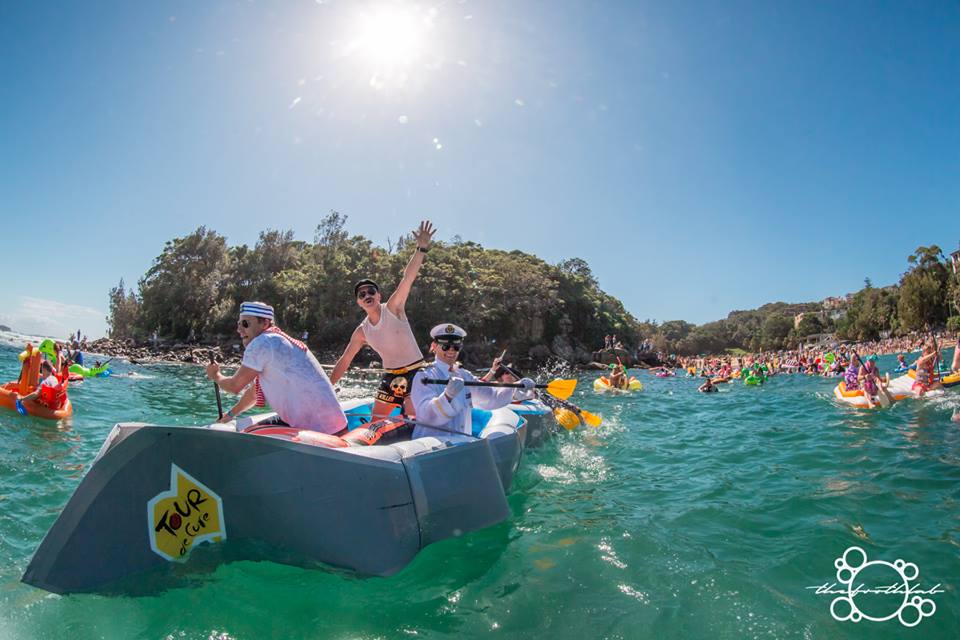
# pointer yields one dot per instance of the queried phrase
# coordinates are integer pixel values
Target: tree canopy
(506, 297)
(500, 297)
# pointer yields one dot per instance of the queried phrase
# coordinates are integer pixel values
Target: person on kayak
(283, 372)
(870, 381)
(926, 379)
(52, 391)
(618, 376)
(448, 406)
(852, 375)
(387, 331)
(509, 374)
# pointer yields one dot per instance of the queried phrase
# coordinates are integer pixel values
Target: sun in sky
(390, 40)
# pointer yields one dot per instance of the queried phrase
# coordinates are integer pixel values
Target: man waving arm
(398, 300)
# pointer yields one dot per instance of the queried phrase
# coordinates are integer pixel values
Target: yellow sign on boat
(186, 515)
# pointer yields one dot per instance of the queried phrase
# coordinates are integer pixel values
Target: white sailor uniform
(434, 409)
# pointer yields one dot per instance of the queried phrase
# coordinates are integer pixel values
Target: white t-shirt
(294, 384)
(50, 381)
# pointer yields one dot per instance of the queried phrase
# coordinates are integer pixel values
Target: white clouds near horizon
(44, 317)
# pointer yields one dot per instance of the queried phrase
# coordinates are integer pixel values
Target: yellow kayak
(602, 385)
(947, 379)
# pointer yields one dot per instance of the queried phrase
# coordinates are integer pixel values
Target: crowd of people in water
(855, 363)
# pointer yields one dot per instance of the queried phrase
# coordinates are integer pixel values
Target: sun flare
(390, 40)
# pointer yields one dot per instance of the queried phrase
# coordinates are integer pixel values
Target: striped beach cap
(256, 309)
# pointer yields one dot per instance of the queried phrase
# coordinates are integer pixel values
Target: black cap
(364, 283)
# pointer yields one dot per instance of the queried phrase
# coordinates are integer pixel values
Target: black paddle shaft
(216, 388)
(480, 383)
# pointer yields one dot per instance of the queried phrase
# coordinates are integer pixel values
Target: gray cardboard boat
(506, 429)
(155, 493)
(541, 424)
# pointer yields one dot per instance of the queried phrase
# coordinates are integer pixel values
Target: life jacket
(56, 397)
(371, 433)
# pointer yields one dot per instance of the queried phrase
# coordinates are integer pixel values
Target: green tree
(776, 328)
(809, 325)
(124, 313)
(182, 290)
(924, 290)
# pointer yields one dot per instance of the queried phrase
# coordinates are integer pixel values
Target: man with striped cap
(284, 374)
(448, 406)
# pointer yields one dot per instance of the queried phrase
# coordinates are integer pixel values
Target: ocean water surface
(684, 515)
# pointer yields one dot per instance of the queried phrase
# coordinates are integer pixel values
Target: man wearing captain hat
(447, 406)
(284, 374)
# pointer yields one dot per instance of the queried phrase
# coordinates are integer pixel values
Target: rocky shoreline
(177, 353)
(165, 352)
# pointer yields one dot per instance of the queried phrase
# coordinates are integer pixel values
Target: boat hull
(366, 509)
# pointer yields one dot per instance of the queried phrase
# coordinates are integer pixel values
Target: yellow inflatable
(948, 380)
(856, 398)
(602, 384)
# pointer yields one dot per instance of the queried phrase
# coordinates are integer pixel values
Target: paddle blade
(566, 418)
(22, 410)
(562, 389)
(591, 419)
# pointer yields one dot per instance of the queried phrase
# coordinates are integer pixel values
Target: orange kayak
(29, 375)
(33, 407)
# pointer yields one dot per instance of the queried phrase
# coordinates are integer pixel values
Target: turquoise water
(684, 515)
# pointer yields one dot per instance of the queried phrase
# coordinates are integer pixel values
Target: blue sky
(701, 156)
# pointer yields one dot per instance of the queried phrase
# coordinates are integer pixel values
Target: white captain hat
(447, 331)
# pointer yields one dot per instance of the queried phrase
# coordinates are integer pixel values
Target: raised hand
(424, 234)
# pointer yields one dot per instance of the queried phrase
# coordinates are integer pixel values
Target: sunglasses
(366, 291)
(446, 346)
(244, 323)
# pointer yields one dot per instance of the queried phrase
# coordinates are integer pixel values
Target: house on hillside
(819, 340)
(955, 260)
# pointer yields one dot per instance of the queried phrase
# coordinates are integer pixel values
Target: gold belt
(419, 364)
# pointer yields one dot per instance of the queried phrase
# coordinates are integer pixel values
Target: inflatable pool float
(48, 348)
(949, 380)
(278, 493)
(857, 398)
(752, 380)
(602, 385)
(664, 374)
(28, 382)
(903, 385)
(90, 372)
(719, 380)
